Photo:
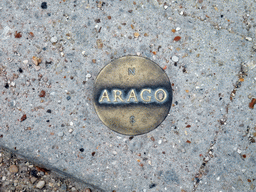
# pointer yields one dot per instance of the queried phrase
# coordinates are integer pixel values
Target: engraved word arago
(132, 95)
(147, 95)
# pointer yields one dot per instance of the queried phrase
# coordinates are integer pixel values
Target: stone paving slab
(46, 110)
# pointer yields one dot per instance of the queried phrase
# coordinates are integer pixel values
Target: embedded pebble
(70, 130)
(36, 60)
(13, 169)
(33, 180)
(248, 38)
(175, 58)
(136, 34)
(54, 39)
(60, 134)
(12, 84)
(25, 62)
(88, 76)
(40, 184)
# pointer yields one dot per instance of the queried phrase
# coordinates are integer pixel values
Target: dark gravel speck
(49, 111)
(44, 5)
(97, 20)
(68, 97)
(152, 185)
(82, 149)
(6, 85)
(20, 70)
(34, 173)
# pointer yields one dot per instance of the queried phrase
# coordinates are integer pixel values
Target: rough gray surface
(195, 148)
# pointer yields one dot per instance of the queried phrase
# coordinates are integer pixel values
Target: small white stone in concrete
(178, 28)
(165, 7)
(239, 151)
(4, 178)
(218, 178)
(60, 134)
(54, 39)
(175, 58)
(12, 84)
(25, 62)
(248, 38)
(88, 75)
(159, 142)
(40, 184)
(71, 123)
(70, 130)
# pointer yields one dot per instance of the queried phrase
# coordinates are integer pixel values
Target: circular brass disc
(132, 95)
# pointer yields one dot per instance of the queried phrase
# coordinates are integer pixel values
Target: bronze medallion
(132, 95)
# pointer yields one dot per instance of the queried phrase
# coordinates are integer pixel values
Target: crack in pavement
(209, 155)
